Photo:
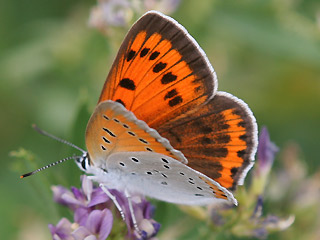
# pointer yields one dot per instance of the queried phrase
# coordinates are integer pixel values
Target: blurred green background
(52, 68)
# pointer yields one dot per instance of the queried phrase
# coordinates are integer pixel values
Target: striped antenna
(49, 165)
(35, 127)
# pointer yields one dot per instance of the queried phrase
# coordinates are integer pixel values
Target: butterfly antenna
(35, 127)
(49, 165)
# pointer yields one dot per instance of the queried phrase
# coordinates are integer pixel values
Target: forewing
(112, 129)
(160, 71)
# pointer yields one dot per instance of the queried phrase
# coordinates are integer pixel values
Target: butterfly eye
(84, 161)
(83, 164)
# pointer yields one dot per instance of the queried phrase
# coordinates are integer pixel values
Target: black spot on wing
(164, 160)
(159, 67)
(127, 84)
(143, 141)
(109, 132)
(120, 101)
(105, 139)
(130, 55)
(165, 176)
(234, 171)
(199, 195)
(135, 159)
(242, 124)
(175, 101)
(154, 55)
(170, 94)
(168, 78)
(144, 52)
(241, 153)
(243, 137)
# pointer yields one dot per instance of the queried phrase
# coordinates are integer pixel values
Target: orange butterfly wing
(113, 129)
(160, 71)
(165, 79)
(219, 139)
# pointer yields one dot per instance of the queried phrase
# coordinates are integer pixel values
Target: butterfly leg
(113, 198)
(134, 221)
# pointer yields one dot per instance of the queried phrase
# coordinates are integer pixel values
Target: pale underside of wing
(112, 128)
(164, 178)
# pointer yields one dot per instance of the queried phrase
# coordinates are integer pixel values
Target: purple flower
(271, 223)
(92, 215)
(85, 197)
(98, 223)
(258, 209)
(110, 13)
(266, 152)
(143, 211)
(62, 231)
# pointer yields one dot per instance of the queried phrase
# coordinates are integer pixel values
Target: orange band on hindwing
(217, 139)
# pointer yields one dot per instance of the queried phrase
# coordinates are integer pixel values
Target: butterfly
(161, 128)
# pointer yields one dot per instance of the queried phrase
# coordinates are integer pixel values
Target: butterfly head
(83, 161)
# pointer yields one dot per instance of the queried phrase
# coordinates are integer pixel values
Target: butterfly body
(161, 128)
